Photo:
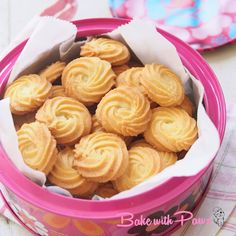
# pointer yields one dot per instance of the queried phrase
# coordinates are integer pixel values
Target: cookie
(88, 79)
(37, 146)
(171, 130)
(53, 71)
(124, 111)
(64, 176)
(27, 93)
(144, 162)
(101, 157)
(67, 119)
(162, 85)
(107, 49)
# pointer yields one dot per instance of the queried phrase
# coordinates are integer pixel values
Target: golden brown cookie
(96, 126)
(64, 176)
(131, 78)
(119, 69)
(54, 71)
(187, 105)
(124, 111)
(101, 157)
(144, 162)
(37, 146)
(141, 143)
(110, 50)
(27, 93)
(162, 85)
(167, 159)
(57, 91)
(171, 130)
(106, 190)
(88, 79)
(67, 119)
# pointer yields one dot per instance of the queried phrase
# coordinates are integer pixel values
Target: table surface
(13, 19)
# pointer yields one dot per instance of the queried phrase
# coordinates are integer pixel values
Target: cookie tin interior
(30, 192)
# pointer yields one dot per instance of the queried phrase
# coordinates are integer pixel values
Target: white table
(12, 20)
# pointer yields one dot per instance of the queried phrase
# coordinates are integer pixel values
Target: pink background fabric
(204, 24)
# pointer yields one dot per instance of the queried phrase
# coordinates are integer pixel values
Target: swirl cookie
(64, 176)
(67, 119)
(144, 162)
(171, 130)
(131, 78)
(162, 85)
(110, 50)
(88, 79)
(37, 146)
(119, 69)
(187, 105)
(167, 159)
(96, 126)
(124, 111)
(27, 93)
(57, 91)
(53, 72)
(141, 143)
(106, 190)
(101, 157)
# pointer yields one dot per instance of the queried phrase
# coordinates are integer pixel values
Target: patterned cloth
(204, 24)
(221, 196)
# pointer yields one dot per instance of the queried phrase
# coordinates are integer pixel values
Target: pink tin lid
(36, 195)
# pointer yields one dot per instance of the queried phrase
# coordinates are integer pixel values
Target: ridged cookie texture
(131, 78)
(88, 79)
(53, 71)
(171, 129)
(144, 162)
(101, 157)
(162, 85)
(27, 93)
(65, 176)
(110, 50)
(124, 111)
(57, 91)
(67, 119)
(37, 146)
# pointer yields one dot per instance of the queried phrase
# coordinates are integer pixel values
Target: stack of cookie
(102, 123)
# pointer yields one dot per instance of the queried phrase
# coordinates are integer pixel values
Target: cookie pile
(102, 123)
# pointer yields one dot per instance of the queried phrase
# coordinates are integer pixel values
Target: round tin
(46, 213)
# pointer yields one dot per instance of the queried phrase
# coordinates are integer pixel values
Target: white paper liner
(54, 39)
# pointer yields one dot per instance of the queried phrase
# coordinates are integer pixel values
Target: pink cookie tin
(46, 213)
